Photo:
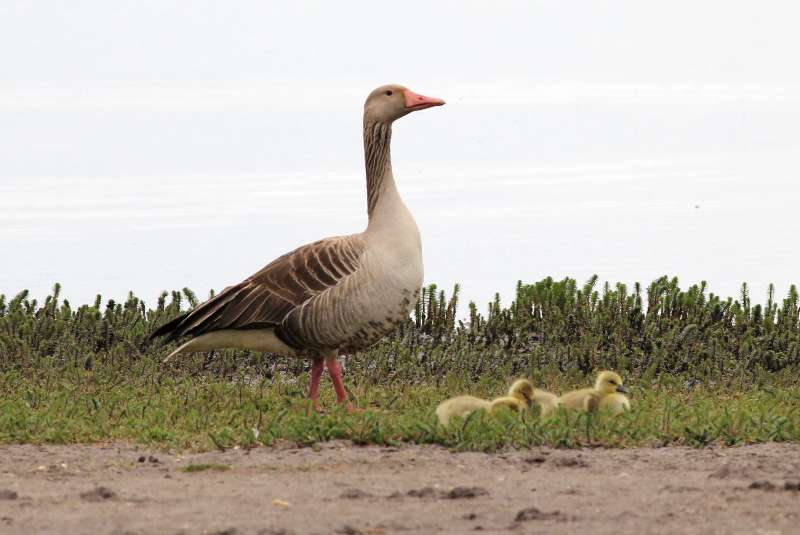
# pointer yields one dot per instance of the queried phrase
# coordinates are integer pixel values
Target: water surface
(145, 189)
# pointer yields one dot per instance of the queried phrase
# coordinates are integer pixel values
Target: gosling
(608, 393)
(547, 401)
(615, 403)
(519, 398)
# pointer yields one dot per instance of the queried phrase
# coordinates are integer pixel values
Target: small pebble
(99, 494)
(535, 459)
(762, 485)
(465, 492)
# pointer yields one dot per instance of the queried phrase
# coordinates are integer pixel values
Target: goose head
(390, 102)
(609, 382)
(522, 389)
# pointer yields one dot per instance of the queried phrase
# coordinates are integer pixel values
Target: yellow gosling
(459, 406)
(519, 397)
(507, 402)
(615, 403)
(547, 401)
(590, 399)
(522, 390)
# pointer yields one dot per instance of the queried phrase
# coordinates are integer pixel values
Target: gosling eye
(388, 93)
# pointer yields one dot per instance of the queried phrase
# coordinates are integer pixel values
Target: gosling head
(609, 382)
(522, 389)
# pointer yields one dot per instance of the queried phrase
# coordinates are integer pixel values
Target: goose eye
(388, 93)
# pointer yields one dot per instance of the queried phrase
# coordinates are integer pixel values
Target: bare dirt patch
(339, 488)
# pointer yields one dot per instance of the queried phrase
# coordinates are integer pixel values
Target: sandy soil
(121, 489)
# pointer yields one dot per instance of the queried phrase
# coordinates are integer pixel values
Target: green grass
(704, 370)
(152, 406)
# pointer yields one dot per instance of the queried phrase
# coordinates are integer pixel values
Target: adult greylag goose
(335, 295)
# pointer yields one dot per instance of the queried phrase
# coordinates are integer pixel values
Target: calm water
(117, 191)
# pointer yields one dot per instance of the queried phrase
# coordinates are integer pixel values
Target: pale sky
(162, 41)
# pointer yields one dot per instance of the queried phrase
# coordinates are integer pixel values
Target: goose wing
(265, 299)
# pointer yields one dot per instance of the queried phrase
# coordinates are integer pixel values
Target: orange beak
(416, 102)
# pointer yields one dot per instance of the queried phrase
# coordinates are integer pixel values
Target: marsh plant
(550, 326)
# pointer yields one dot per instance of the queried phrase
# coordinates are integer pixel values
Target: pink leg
(316, 374)
(336, 376)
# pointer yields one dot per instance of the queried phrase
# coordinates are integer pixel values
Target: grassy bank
(146, 405)
(703, 370)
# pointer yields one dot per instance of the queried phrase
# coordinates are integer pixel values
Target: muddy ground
(122, 489)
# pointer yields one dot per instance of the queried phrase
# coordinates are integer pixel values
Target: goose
(547, 401)
(335, 295)
(519, 397)
(608, 384)
(615, 403)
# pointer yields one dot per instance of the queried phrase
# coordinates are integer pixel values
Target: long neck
(378, 160)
